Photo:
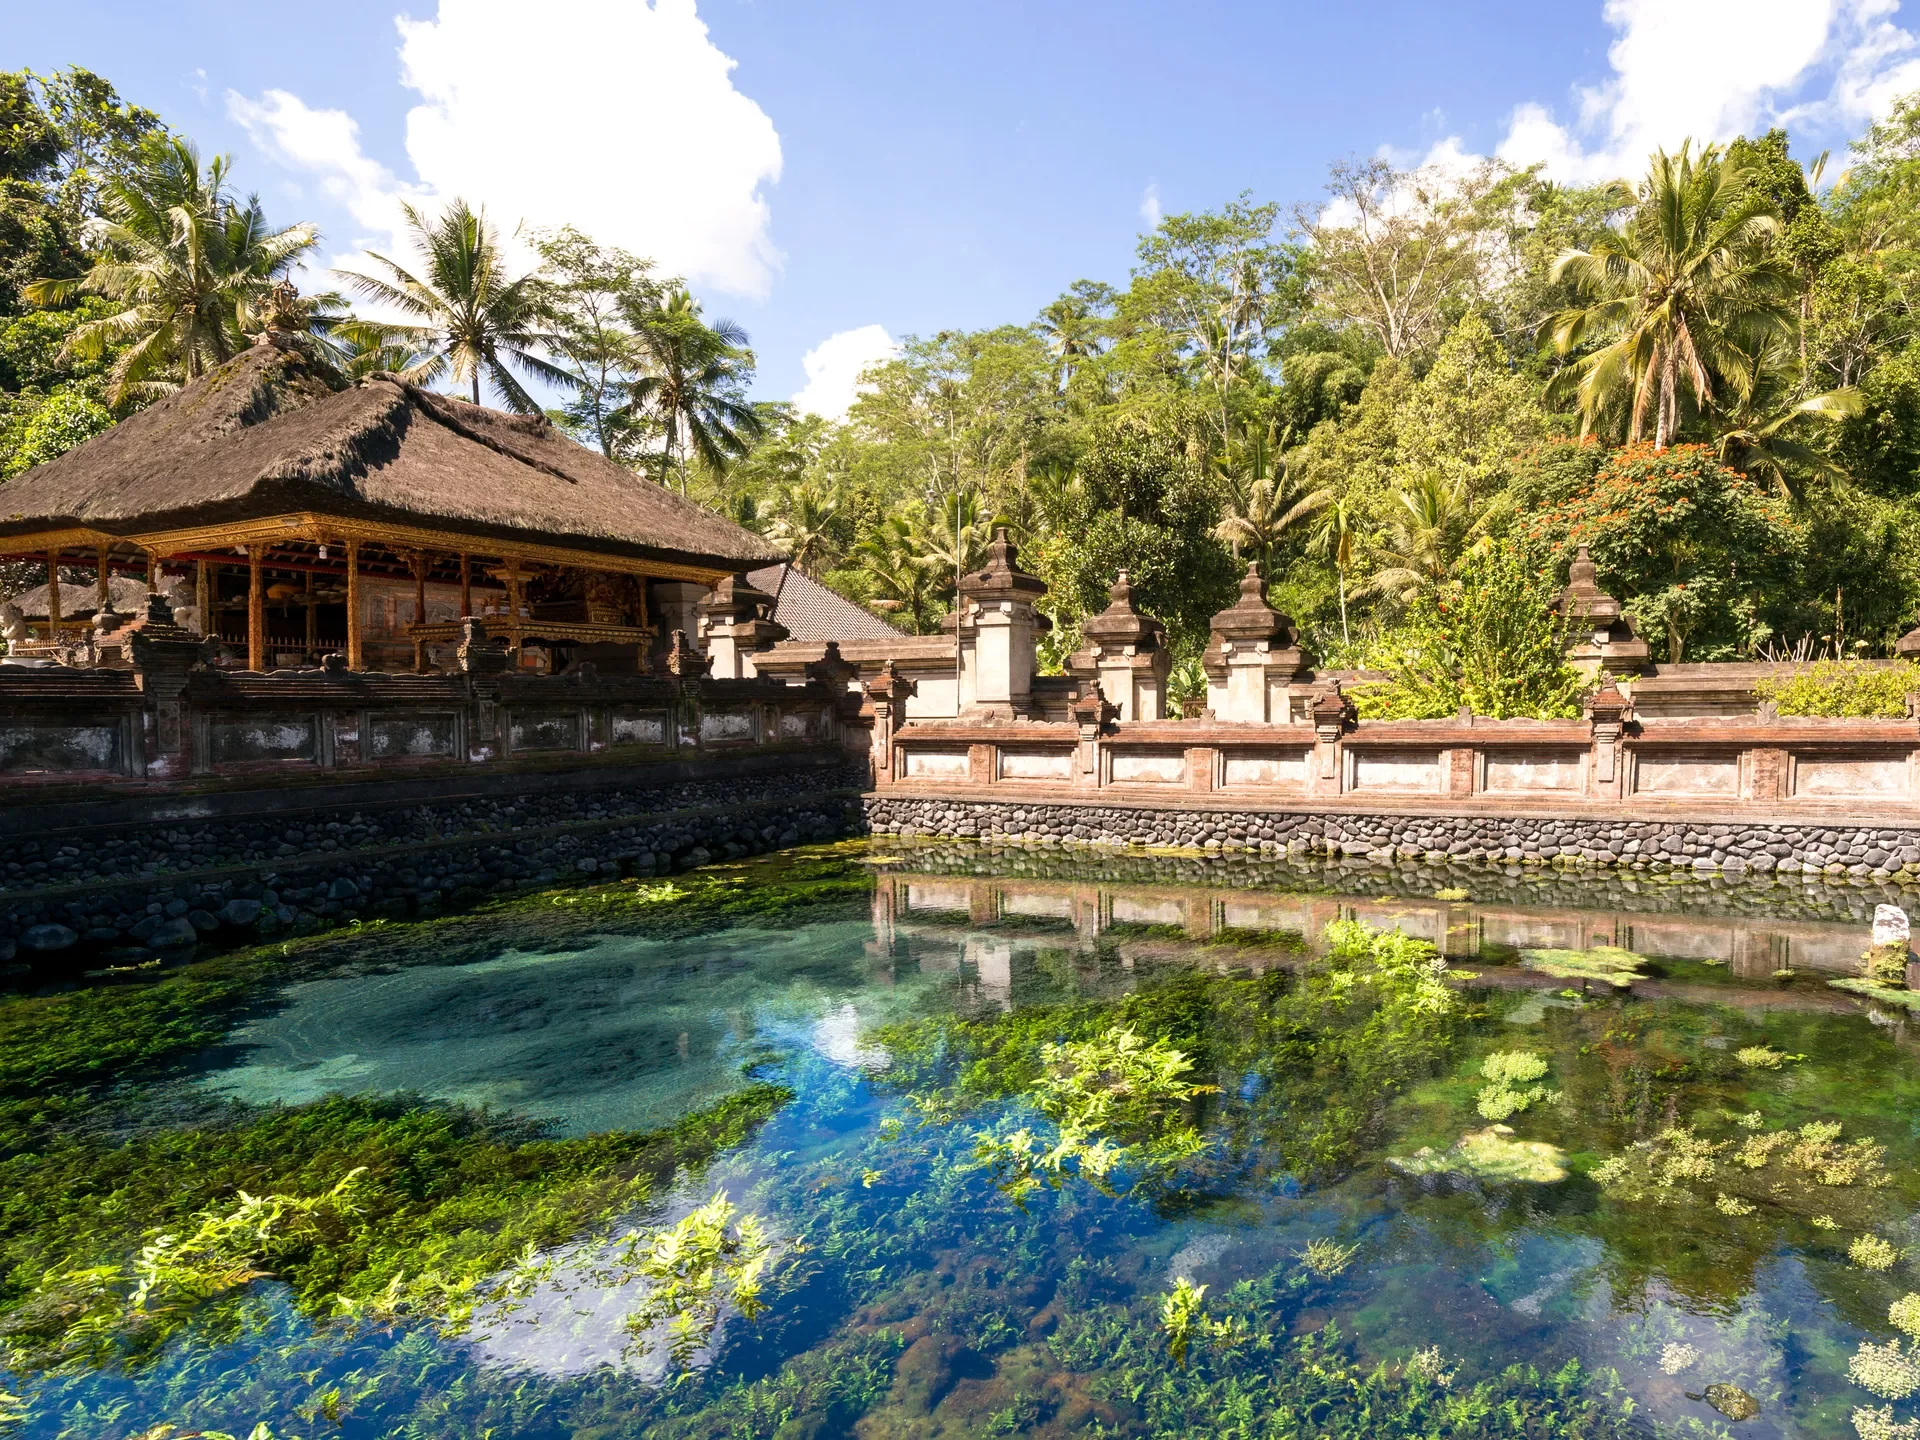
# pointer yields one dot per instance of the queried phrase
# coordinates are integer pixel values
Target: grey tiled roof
(812, 612)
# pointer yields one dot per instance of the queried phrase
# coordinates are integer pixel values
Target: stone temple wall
(134, 882)
(1859, 851)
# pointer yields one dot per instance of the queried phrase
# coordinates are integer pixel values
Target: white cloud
(579, 119)
(833, 369)
(1150, 204)
(1708, 70)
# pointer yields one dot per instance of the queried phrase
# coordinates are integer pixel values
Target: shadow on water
(1655, 1242)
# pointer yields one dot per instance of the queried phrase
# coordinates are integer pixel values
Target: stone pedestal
(1253, 659)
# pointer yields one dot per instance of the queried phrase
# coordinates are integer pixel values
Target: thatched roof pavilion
(272, 465)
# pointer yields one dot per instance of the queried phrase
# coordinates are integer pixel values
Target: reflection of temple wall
(1751, 947)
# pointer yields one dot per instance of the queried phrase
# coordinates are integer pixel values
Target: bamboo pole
(53, 595)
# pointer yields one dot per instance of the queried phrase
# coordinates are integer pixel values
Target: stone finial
(1250, 623)
(159, 643)
(1120, 626)
(1333, 711)
(833, 667)
(888, 684)
(1583, 599)
(1607, 706)
(1092, 709)
(335, 662)
(684, 661)
(1001, 577)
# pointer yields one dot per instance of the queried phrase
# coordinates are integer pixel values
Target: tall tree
(1396, 251)
(186, 262)
(470, 320)
(692, 384)
(1680, 298)
(589, 289)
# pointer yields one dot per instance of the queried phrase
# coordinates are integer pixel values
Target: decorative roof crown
(1001, 577)
(1250, 619)
(1120, 624)
(1583, 599)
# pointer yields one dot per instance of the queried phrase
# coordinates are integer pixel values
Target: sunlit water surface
(987, 1318)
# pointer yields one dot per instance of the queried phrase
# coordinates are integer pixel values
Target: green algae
(1873, 990)
(1491, 1156)
(1604, 964)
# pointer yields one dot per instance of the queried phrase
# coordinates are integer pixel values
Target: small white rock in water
(1890, 925)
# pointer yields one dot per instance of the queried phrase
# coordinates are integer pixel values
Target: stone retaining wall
(132, 891)
(1858, 851)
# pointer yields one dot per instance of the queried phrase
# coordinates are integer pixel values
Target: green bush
(1484, 640)
(1850, 689)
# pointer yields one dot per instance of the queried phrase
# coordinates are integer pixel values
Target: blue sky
(868, 170)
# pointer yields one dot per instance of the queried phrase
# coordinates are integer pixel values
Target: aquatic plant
(1677, 1357)
(1184, 1319)
(1882, 1424)
(1876, 990)
(1452, 893)
(1115, 1100)
(1490, 1155)
(1732, 1205)
(1762, 1057)
(1505, 1072)
(1870, 1252)
(1602, 964)
(1809, 1169)
(1904, 1315)
(1427, 1365)
(710, 1258)
(1887, 1370)
(1327, 1258)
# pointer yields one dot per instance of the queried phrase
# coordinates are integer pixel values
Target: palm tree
(888, 559)
(471, 320)
(1071, 332)
(692, 384)
(1333, 538)
(1686, 290)
(1271, 501)
(808, 524)
(186, 260)
(1434, 520)
(1756, 434)
(954, 539)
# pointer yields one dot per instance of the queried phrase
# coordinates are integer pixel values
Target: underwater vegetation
(1134, 1186)
(1603, 964)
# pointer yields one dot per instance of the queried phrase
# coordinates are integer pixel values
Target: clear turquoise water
(968, 1315)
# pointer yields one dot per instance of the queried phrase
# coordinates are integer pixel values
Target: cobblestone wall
(1861, 852)
(163, 887)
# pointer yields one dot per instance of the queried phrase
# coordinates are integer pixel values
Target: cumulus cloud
(1708, 70)
(833, 369)
(551, 123)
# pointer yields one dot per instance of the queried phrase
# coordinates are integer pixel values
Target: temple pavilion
(293, 515)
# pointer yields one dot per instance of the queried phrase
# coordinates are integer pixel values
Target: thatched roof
(128, 594)
(274, 431)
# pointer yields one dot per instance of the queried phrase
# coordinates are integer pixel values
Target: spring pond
(1704, 1201)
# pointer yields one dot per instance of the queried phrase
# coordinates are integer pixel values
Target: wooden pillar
(203, 595)
(353, 605)
(103, 581)
(53, 594)
(313, 621)
(256, 612)
(514, 636)
(418, 563)
(466, 587)
(153, 572)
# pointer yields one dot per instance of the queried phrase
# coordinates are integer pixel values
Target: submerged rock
(1731, 1401)
(1489, 1156)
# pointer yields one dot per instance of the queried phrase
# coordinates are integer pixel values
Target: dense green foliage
(1844, 688)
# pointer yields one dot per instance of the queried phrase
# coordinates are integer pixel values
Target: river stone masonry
(164, 887)
(1860, 852)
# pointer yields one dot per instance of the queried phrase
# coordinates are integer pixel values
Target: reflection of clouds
(836, 1035)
